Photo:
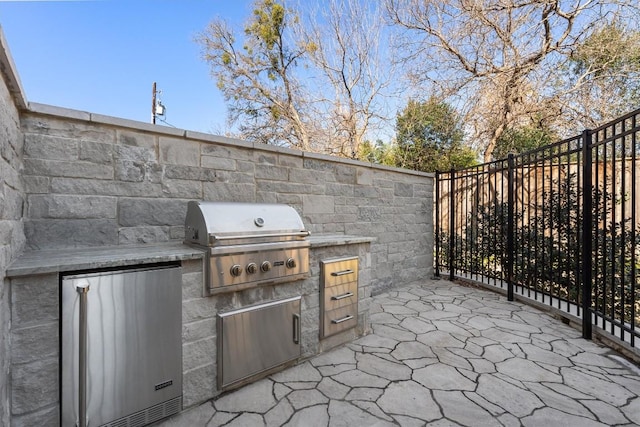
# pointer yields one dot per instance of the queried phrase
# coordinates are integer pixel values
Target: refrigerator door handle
(82, 288)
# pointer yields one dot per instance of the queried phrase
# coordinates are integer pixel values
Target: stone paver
(442, 354)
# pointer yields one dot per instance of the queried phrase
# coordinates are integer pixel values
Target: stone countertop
(57, 260)
(53, 261)
(322, 240)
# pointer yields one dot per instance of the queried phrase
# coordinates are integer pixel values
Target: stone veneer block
(317, 205)
(69, 169)
(36, 184)
(137, 212)
(271, 172)
(34, 300)
(364, 176)
(229, 192)
(203, 308)
(49, 416)
(346, 174)
(62, 126)
(72, 206)
(143, 235)
(291, 161)
(219, 163)
(39, 146)
(191, 266)
(192, 284)
(179, 151)
(96, 152)
(105, 188)
(68, 233)
(242, 151)
(136, 154)
(198, 353)
(33, 343)
(34, 385)
(198, 385)
(138, 139)
(12, 204)
(310, 176)
(190, 173)
(184, 189)
(199, 330)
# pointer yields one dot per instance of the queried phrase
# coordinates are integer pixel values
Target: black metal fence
(558, 225)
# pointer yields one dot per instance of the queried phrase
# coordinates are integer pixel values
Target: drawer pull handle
(341, 273)
(344, 319)
(343, 296)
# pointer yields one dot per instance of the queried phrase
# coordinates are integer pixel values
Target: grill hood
(248, 244)
(230, 223)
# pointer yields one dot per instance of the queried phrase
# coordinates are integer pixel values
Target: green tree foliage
(379, 153)
(257, 75)
(521, 140)
(429, 137)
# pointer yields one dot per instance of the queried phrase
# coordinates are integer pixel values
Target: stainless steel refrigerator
(121, 355)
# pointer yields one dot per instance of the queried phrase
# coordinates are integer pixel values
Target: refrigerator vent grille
(149, 415)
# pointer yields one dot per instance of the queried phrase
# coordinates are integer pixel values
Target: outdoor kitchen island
(36, 314)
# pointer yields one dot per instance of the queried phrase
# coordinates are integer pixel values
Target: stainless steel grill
(248, 244)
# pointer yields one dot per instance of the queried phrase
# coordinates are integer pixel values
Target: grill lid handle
(253, 236)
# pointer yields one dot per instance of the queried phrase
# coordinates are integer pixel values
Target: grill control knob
(236, 270)
(265, 266)
(291, 263)
(252, 268)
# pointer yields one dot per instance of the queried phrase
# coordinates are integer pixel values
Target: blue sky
(103, 56)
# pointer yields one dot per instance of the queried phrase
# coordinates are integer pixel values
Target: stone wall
(93, 180)
(11, 201)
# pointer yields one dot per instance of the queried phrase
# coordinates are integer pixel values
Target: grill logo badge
(163, 385)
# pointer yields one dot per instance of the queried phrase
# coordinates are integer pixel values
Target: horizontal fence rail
(558, 225)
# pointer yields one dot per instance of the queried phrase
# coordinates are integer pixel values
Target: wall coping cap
(11, 77)
(160, 130)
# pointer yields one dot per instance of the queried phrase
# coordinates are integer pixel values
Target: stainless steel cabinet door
(256, 339)
(133, 343)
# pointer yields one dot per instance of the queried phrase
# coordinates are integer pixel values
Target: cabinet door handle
(343, 296)
(296, 329)
(344, 319)
(341, 273)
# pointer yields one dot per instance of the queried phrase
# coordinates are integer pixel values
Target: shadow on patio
(443, 354)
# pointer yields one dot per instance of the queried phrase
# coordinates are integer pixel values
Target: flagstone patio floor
(442, 354)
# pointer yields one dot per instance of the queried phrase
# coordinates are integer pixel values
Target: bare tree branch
(503, 55)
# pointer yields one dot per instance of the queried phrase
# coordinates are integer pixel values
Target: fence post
(452, 222)
(437, 223)
(510, 225)
(587, 232)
